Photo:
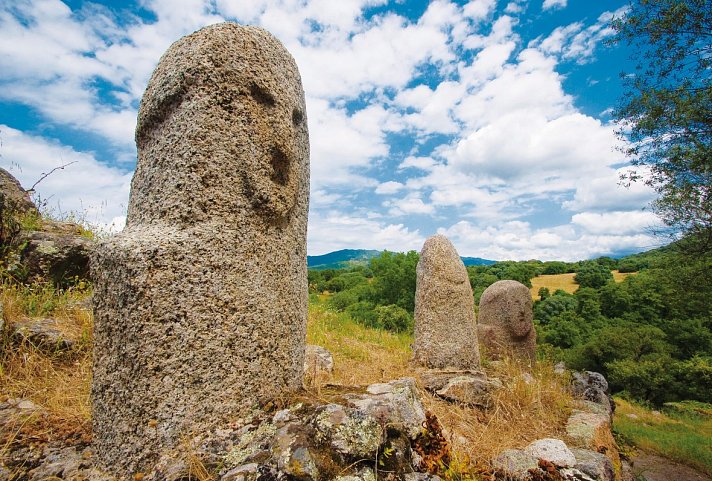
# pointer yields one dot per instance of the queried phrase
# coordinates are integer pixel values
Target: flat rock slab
(552, 450)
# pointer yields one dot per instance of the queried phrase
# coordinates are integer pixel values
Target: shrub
(394, 318)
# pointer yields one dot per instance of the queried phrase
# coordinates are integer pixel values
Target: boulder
(592, 386)
(445, 332)
(43, 334)
(60, 257)
(515, 464)
(318, 363)
(506, 322)
(595, 465)
(470, 390)
(13, 198)
(552, 450)
(396, 404)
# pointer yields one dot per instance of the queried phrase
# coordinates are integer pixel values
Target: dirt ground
(656, 468)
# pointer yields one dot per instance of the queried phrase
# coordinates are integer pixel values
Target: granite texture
(445, 332)
(506, 322)
(200, 304)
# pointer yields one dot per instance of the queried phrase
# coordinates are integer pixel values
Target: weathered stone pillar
(505, 322)
(200, 304)
(445, 333)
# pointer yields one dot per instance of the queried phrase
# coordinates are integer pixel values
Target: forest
(650, 335)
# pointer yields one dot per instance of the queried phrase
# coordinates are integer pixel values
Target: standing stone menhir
(445, 333)
(505, 322)
(200, 303)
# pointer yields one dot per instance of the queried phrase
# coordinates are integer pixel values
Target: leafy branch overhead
(666, 112)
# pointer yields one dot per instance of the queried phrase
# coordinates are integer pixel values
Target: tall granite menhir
(445, 332)
(200, 303)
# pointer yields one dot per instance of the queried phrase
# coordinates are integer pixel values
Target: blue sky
(487, 121)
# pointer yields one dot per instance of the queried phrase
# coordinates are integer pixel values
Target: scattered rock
(396, 404)
(15, 411)
(595, 465)
(515, 464)
(60, 256)
(560, 368)
(592, 386)
(13, 197)
(505, 323)
(43, 334)
(470, 390)
(349, 431)
(552, 450)
(445, 332)
(200, 303)
(584, 427)
(421, 477)
(318, 362)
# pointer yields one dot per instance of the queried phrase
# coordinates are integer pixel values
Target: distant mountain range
(348, 257)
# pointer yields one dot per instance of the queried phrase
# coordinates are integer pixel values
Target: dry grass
(565, 282)
(361, 355)
(523, 410)
(620, 276)
(553, 282)
(59, 383)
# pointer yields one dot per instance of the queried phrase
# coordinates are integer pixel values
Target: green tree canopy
(666, 112)
(592, 274)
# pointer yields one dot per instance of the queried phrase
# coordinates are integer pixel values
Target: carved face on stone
(520, 315)
(225, 111)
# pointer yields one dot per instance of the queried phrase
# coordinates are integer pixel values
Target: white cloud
(618, 222)
(88, 189)
(390, 187)
(335, 230)
(423, 163)
(549, 4)
(517, 240)
(605, 193)
(410, 204)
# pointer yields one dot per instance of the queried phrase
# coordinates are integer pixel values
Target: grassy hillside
(681, 431)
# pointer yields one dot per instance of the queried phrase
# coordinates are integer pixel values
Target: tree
(592, 274)
(666, 111)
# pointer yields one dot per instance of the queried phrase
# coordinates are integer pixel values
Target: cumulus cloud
(553, 4)
(89, 190)
(616, 223)
(390, 187)
(518, 240)
(357, 232)
(492, 131)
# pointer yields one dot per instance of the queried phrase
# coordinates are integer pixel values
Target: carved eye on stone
(261, 95)
(297, 117)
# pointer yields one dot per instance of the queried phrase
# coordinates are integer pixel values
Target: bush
(394, 318)
(363, 312)
(563, 331)
(341, 300)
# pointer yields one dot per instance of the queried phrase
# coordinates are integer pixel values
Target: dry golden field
(565, 282)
